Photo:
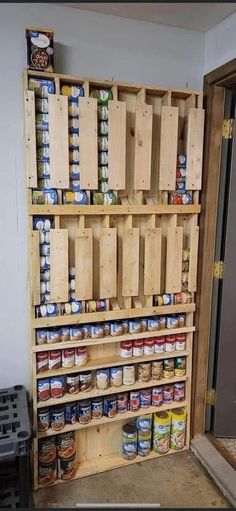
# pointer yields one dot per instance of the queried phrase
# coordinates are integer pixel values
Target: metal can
(144, 445)
(135, 326)
(169, 368)
(54, 359)
(157, 369)
(110, 406)
(148, 346)
(161, 432)
(125, 326)
(102, 143)
(103, 128)
(172, 321)
(144, 371)
(180, 366)
(134, 400)
(57, 418)
(143, 324)
(101, 305)
(70, 413)
(81, 356)
(42, 361)
(66, 444)
(43, 419)
(102, 379)
(126, 350)
(72, 384)
(122, 402)
(96, 331)
(168, 394)
(129, 443)
(116, 376)
(144, 425)
(41, 336)
(170, 343)
(116, 328)
(86, 331)
(145, 398)
(85, 381)
(84, 412)
(102, 113)
(90, 306)
(67, 467)
(184, 297)
(106, 328)
(43, 389)
(162, 322)
(157, 396)
(97, 407)
(153, 324)
(179, 391)
(47, 473)
(53, 335)
(138, 348)
(159, 344)
(180, 342)
(129, 375)
(181, 320)
(68, 357)
(57, 386)
(76, 333)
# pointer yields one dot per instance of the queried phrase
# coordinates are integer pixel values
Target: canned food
(180, 366)
(180, 197)
(178, 428)
(42, 138)
(169, 368)
(182, 298)
(44, 250)
(67, 468)
(116, 376)
(159, 344)
(103, 128)
(129, 443)
(54, 359)
(103, 174)
(116, 328)
(103, 143)
(157, 396)
(138, 348)
(41, 122)
(68, 357)
(72, 384)
(148, 346)
(179, 391)
(122, 402)
(86, 331)
(143, 324)
(144, 425)
(129, 375)
(74, 141)
(74, 170)
(102, 379)
(43, 419)
(110, 406)
(57, 418)
(76, 307)
(135, 326)
(102, 96)
(134, 400)
(45, 276)
(97, 407)
(81, 356)
(161, 432)
(47, 473)
(172, 321)
(144, 445)
(84, 413)
(145, 398)
(85, 381)
(181, 320)
(44, 262)
(76, 333)
(41, 336)
(43, 389)
(66, 444)
(73, 92)
(53, 335)
(125, 326)
(170, 343)
(103, 187)
(42, 361)
(168, 394)
(57, 386)
(102, 113)
(185, 266)
(157, 370)
(106, 329)
(153, 324)
(126, 349)
(96, 331)
(41, 105)
(70, 413)
(90, 306)
(100, 305)
(47, 449)
(144, 371)
(180, 342)
(73, 109)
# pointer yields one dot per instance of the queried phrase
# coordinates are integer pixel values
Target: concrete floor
(172, 481)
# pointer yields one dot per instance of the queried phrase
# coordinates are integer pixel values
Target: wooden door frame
(214, 87)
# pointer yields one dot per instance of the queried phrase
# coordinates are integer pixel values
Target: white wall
(93, 45)
(220, 44)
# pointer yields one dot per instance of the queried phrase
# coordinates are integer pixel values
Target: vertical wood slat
(58, 140)
(130, 262)
(194, 148)
(108, 262)
(192, 279)
(174, 250)
(84, 264)
(88, 144)
(59, 265)
(30, 136)
(143, 146)
(152, 261)
(35, 268)
(117, 144)
(168, 147)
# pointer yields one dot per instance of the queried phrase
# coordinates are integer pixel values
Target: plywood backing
(194, 148)
(58, 140)
(30, 137)
(108, 262)
(84, 264)
(168, 147)
(88, 144)
(117, 144)
(59, 265)
(143, 146)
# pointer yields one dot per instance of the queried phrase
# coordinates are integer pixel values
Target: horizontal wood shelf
(138, 385)
(110, 339)
(110, 362)
(120, 416)
(111, 462)
(91, 317)
(142, 209)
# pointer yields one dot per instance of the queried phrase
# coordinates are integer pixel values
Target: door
(224, 312)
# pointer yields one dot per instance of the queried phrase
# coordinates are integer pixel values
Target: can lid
(58, 409)
(128, 428)
(84, 402)
(97, 400)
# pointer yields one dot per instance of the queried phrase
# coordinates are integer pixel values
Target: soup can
(76, 333)
(157, 370)
(179, 391)
(90, 306)
(81, 356)
(110, 406)
(135, 326)
(162, 322)
(43, 389)
(134, 400)
(116, 328)
(72, 383)
(85, 381)
(181, 320)
(106, 328)
(84, 412)
(180, 342)
(126, 349)
(66, 444)
(41, 336)
(47, 473)
(129, 375)
(170, 343)
(57, 418)
(54, 359)
(86, 331)
(125, 326)
(102, 379)
(116, 376)
(148, 346)
(168, 394)
(145, 398)
(68, 357)
(129, 442)
(143, 324)
(138, 348)
(42, 361)
(153, 324)
(97, 407)
(144, 445)
(144, 425)
(161, 432)
(96, 331)
(53, 335)
(169, 368)
(157, 396)
(57, 386)
(43, 419)
(172, 321)
(122, 402)
(159, 344)
(144, 371)
(70, 413)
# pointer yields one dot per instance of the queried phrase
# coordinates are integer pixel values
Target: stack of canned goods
(57, 458)
(42, 88)
(181, 195)
(86, 410)
(103, 195)
(74, 195)
(185, 269)
(172, 299)
(67, 358)
(43, 225)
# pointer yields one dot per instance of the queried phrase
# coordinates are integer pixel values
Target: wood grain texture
(168, 147)
(130, 262)
(108, 262)
(84, 264)
(88, 144)
(174, 248)
(59, 265)
(152, 261)
(58, 140)
(194, 150)
(143, 147)
(30, 138)
(193, 261)
(117, 144)
(34, 268)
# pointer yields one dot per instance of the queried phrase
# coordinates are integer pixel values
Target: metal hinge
(227, 128)
(211, 397)
(218, 269)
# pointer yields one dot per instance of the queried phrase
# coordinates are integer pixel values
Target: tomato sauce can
(42, 361)
(70, 413)
(159, 344)
(157, 396)
(134, 400)
(168, 394)
(122, 402)
(54, 361)
(57, 418)
(68, 357)
(43, 419)
(57, 386)
(43, 388)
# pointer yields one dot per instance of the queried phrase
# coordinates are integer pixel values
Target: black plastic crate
(15, 430)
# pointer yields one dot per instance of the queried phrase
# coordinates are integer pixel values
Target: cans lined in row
(150, 346)
(84, 411)
(172, 299)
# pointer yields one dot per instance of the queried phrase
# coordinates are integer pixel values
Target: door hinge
(211, 397)
(218, 269)
(227, 128)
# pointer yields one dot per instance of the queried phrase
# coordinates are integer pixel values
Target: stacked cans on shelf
(42, 88)
(180, 195)
(57, 458)
(43, 225)
(185, 269)
(103, 195)
(74, 195)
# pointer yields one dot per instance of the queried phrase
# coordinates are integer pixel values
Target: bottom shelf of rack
(110, 462)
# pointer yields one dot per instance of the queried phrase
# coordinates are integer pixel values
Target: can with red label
(54, 361)
(157, 396)
(148, 346)
(43, 389)
(159, 344)
(122, 402)
(168, 394)
(126, 349)
(179, 391)
(138, 348)
(180, 342)
(68, 357)
(134, 400)
(57, 386)
(42, 361)
(170, 343)
(81, 356)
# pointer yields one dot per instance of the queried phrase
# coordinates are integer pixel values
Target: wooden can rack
(130, 251)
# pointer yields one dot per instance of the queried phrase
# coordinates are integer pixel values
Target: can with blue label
(45, 275)
(43, 169)
(153, 324)
(74, 170)
(73, 109)
(144, 445)
(75, 185)
(110, 406)
(106, 328)
(72, 91)
(116, 328)
(83, 411)
(97, 407)
(41, 87)
(43, 154)
(74, 125)
(70, 413)
(76, 307)
(44, 249)
(44, 262)
(135, 326)
(103, 128)
(52, 309)
(172, 321)
(145, 398)
(76, 333)
(41, 121)
(125, 325)
(41, 336)
(53, 335)
(74, 156)
(44, 197)
(97, 331)
(144, 425)
(86, 331)
(116, 376)
(41, 105)
(129, 441)
(57, 418)
(74, 141)
(122, 402)
(42, 138)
